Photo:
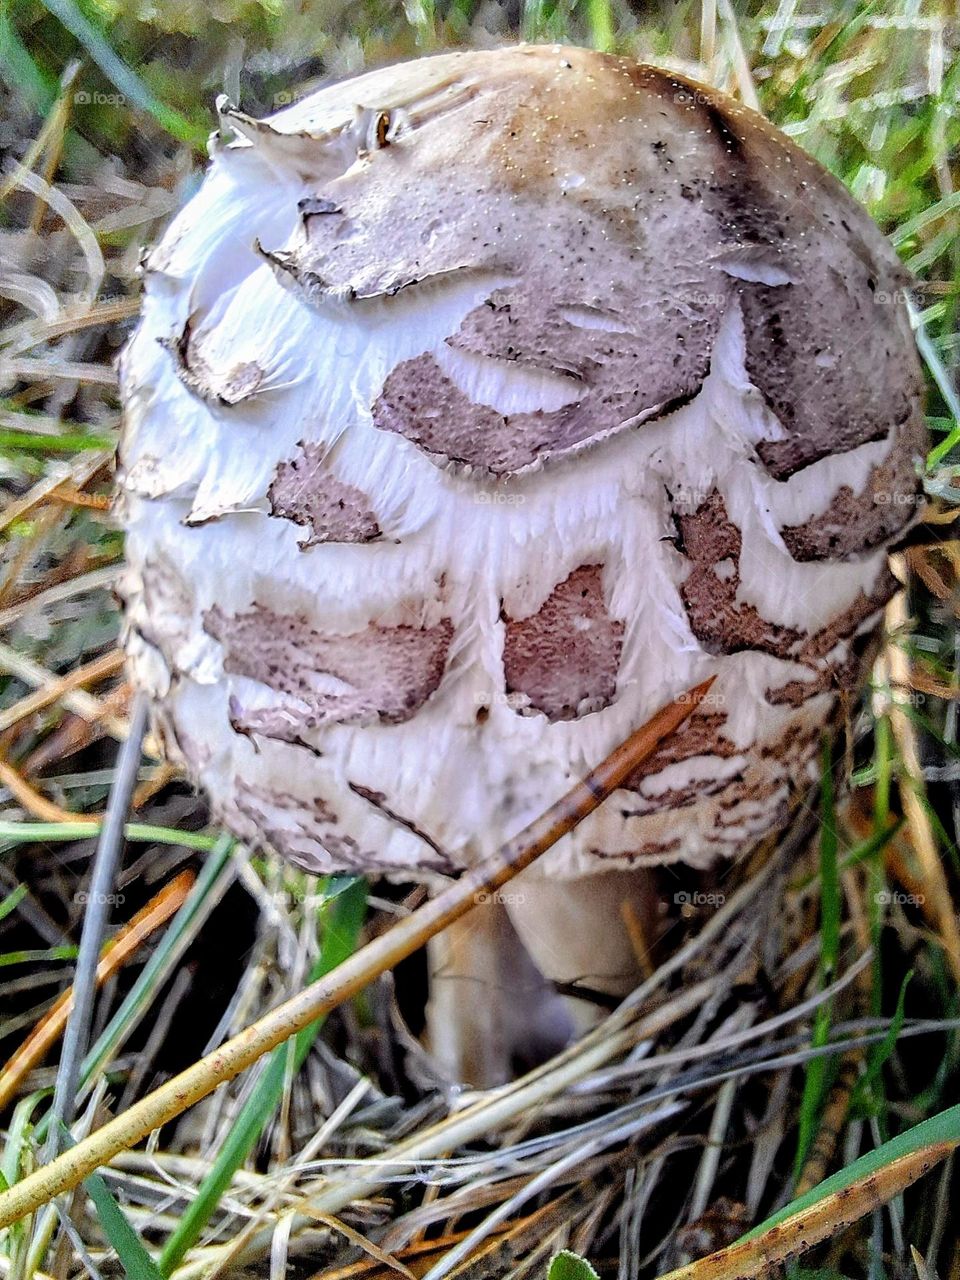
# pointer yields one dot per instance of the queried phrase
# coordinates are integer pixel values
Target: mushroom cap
(480, 406)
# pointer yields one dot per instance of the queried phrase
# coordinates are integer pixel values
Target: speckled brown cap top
(480, 406)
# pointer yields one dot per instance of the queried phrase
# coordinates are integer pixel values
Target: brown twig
(36, 804)
(107, 664)
(79, 474)
(73, 497)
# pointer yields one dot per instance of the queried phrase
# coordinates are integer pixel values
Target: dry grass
(752, 1062)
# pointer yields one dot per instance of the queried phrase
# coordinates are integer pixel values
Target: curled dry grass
(800, 1015)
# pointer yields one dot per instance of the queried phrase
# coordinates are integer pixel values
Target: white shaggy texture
(455, 545)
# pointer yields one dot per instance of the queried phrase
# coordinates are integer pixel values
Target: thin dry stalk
(78, 702)
(95, 580)
(918, 820)
(78, 474)
(105, 863)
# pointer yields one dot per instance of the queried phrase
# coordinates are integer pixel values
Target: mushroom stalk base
(494, 1008)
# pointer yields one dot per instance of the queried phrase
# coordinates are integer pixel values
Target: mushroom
(479, 406)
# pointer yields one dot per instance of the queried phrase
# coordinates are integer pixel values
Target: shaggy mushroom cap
(480, 406)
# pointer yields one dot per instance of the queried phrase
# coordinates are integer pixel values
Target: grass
(342, 918)
(348, 1157)
(818, 1069)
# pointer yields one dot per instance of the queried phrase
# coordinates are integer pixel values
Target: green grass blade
(570, 1266)
(119, 74)
(67, 443)
(154, 973)
(129, 1248)
(12, 900)
(126, 1243)
(19, 1129)
(944, 384)
(870, 1083)
(13, 833)
(31, 956)
(343, 916)
(20, 71)
(865, 851)
(602, 26)
(943, 1127)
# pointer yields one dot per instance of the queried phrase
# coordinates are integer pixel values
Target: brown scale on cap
(283, 721)
(712, 542)
(754, 786)
(312, 835)
(390, 671)
(617, 223)
(564, 658)
(792, 741)
(815, 289)
(829, 678)
(645, 851)
(239, 382)
(701, 735)
(420, 402)
(306, 833)
(306, 491)
(825, 396)
(855, 523)
(855, 627)
(180, 745)
(165, 620)
(678, 797)
(791, 752)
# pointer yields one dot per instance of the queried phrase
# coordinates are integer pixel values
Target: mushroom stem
(491, 1013)
(590, 933)
(494, 1006)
